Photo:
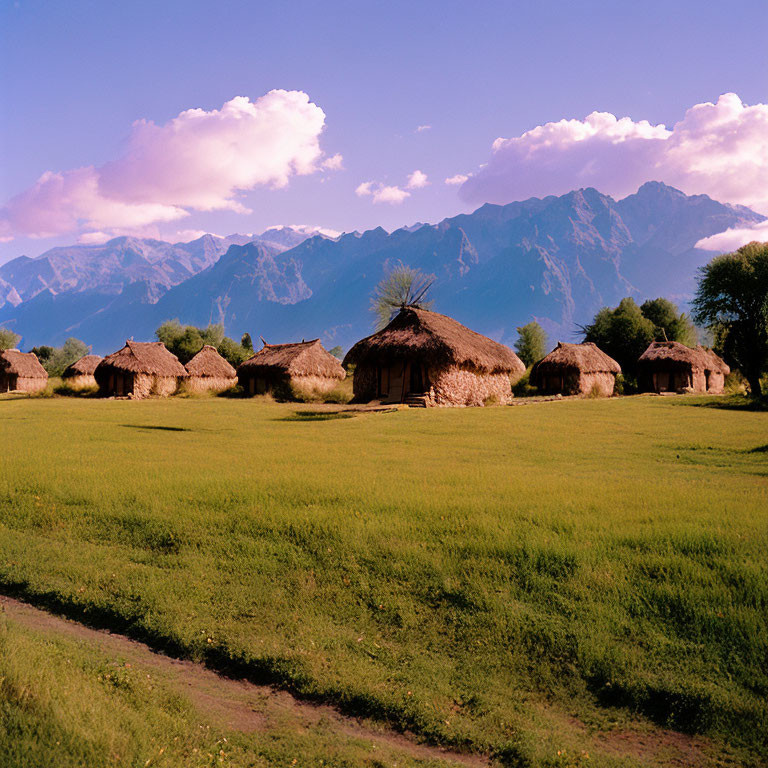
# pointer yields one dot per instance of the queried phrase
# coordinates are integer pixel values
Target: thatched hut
(576, 369)
(209, 372)
(425, 358)
(79, 375)
(279, 369)
(140, 369)
(21, 372)
(669, 366)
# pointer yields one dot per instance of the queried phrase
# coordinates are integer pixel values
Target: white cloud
(93, 238)
(390, 194)
(731, 239)
(716, 149)
(459, 178)
(422, 128)
(364, 189)
(333, 163)
(200, 160)
(417, 180)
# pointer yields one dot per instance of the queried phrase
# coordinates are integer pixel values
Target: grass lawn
(533, 583)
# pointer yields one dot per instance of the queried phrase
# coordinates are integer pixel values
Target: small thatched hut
(425, 358)
(209, 372)
(576, 369)
(21, 371)
(303, 366)
(140, 369)
(669, 366)
(79, 375)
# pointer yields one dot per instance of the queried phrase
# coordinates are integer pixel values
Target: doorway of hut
(401, 380)
(120, 384)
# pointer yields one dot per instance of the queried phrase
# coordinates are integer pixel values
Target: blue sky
(78, 74)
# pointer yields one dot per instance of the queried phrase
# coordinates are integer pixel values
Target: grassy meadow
(533, 583)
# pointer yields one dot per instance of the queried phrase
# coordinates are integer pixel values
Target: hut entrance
(417, 380)
(120, 384)
(706, 380)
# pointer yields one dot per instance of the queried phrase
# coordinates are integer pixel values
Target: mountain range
(556, 259)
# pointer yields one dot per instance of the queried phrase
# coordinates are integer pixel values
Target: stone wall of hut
(716, 383)
(146, 384)
(13, 383)
(81, 381)
(456, 386)
(365, 383)
(209, 383)
(601, 384)
(309, 385)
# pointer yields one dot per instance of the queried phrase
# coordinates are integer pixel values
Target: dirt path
(234, 704)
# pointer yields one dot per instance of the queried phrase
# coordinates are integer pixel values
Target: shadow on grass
(157, 427)
(726, 402)
(316, 416)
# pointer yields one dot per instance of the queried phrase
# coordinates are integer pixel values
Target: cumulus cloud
(333, 163)
(718, 149)
(422, 128)
(731, 239)
(198, 161)
(456, 180)
(364, 189)
(390, 194)
(416, 180)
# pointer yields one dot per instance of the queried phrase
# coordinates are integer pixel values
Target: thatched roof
(436, 339)
(304, 358)
(150, 357)
(585, 358)
(673, 354)
(209, 363)
(714, 363)
(22, 364)
(85, 366)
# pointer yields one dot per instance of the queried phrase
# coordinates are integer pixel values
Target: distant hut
(669, 366)
(576, 369)
(209, 372)
(303, 366)
(21, 372)
(79, 375)
(140, 369)
(425, 358)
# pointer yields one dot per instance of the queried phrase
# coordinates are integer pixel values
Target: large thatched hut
(21, 371)
(576, 369)
(79, 375)
(140, 369)
(303, 366)
(209, 372)
(426, 358)
(669, 366)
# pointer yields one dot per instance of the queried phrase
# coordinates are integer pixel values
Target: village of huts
(424, 358)
(576, 369)
(21, 372)
(303, 367)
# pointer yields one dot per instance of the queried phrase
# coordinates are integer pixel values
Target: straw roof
(22, 364)
(85, 366)
(150, 357)
(209, 363)
(437, 339)
(586, 358)
(304, 358)
(714, 363)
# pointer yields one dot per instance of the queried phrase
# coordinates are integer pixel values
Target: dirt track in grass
(235, 704)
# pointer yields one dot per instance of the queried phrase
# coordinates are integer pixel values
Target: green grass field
(533, 583)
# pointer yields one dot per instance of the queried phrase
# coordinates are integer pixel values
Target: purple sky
(78, 75)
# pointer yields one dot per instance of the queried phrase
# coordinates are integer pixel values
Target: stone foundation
(83, 381)
(209, 383)
(13, 383)
(454, 386)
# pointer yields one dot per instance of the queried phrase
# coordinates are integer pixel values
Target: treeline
(185, 341)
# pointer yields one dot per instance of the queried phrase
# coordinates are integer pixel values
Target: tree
(732, 299)
(623, 333)
(531, 344)
(246, 342)
(56, 360)
(670, 325)
(185, 341)
(8, 339)
(402, 286)
(337, 351)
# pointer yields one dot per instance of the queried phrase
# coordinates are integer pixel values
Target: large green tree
(669, 322)
(8, 339)
(402, 286)
(732, 299)
(531, 344)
